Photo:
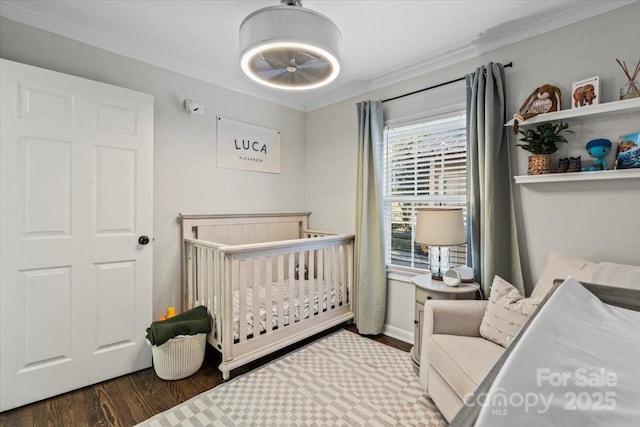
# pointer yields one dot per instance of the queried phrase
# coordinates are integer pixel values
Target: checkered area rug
(340, 380)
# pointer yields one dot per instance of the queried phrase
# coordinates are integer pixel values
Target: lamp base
(439, 261)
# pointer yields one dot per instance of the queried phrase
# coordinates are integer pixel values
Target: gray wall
(319, 151)
(594, 220)
(186, 178)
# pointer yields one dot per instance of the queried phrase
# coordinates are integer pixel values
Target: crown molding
(14, 11)
(579, 11)
(574, 13)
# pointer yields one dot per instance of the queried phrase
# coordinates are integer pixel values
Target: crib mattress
(328, 297)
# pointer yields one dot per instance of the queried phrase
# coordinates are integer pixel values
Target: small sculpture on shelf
(563, 165)
(575, 164)
(598, 149)
(544, 99)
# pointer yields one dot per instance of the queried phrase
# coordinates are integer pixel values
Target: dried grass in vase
(630, 89)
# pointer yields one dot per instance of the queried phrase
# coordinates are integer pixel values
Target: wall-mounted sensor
(192, 107)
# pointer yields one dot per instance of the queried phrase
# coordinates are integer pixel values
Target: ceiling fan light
(289, 47)
(251, 57)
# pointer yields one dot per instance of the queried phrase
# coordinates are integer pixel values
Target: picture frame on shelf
(628, 154)
(585, 92)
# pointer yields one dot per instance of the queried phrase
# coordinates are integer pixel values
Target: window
(425, 164)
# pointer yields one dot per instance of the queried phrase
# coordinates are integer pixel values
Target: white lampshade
(440, 227)
(290, 47)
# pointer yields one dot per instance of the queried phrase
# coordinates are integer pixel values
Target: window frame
(394, 271)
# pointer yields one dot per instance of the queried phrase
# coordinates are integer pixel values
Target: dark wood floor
(133, 398)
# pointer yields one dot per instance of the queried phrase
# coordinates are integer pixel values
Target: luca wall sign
(247, 147)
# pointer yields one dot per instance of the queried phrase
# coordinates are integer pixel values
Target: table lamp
(439, 228)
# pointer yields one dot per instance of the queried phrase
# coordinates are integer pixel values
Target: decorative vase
(630, 90)
(539, 164)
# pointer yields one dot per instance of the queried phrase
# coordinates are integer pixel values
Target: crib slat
(329, 276)
(313, 283)
(227, 304)
(201, 268)
(336, 275)
(346, 296)
(350, 261)
(189, 269)
(206, 254)
(292, 283)
(341, 275)
(256, 295)
(208, 286)
(321, 288)
(280, 292)
(217, 294)
(196, 276)
(242, 300)
(268, 291)
(302, 285)
(202, 293)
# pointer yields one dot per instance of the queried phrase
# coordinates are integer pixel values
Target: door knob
(143, 240)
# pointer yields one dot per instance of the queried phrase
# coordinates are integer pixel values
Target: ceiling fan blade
(260, 64)
(304, 77)
(313, 64)
(302, 57)
(278, 58)
(271, 74)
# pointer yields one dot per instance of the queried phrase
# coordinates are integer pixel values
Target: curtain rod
(509, 65)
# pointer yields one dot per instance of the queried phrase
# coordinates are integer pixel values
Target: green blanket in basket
(191, 322)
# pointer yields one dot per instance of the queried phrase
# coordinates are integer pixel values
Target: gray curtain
(370, 270)
(492, 230)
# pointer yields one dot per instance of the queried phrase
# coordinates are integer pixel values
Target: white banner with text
(247, 147)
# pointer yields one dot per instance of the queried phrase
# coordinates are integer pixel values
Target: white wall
(586, 219)
(186, 178)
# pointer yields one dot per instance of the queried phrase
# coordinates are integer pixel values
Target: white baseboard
(397, 333)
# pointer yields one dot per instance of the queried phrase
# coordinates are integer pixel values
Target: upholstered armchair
(454, 357)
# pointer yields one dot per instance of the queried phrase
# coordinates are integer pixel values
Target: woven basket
(539, 164)
(179, 357)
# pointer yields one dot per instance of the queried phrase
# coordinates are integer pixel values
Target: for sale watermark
(579, 390)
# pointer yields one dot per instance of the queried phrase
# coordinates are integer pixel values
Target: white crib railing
(287, 274)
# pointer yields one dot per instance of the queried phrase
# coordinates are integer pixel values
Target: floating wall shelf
(616, 108)
(579, 176)
(601, 110)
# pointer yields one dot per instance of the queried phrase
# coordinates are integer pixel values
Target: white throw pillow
(618, 275)
(506, 312)
(561, 266)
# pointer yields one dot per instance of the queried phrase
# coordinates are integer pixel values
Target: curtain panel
(370, 269)
(491, 222)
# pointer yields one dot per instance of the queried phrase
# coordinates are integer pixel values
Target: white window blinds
(425, 164)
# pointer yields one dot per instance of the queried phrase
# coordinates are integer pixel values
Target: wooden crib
(261, 260)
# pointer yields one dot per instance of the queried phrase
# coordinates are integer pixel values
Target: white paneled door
(76, 198)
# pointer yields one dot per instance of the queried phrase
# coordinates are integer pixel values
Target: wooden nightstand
(427, 289)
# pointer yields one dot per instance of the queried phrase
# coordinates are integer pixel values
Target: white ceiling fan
(290, 47)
